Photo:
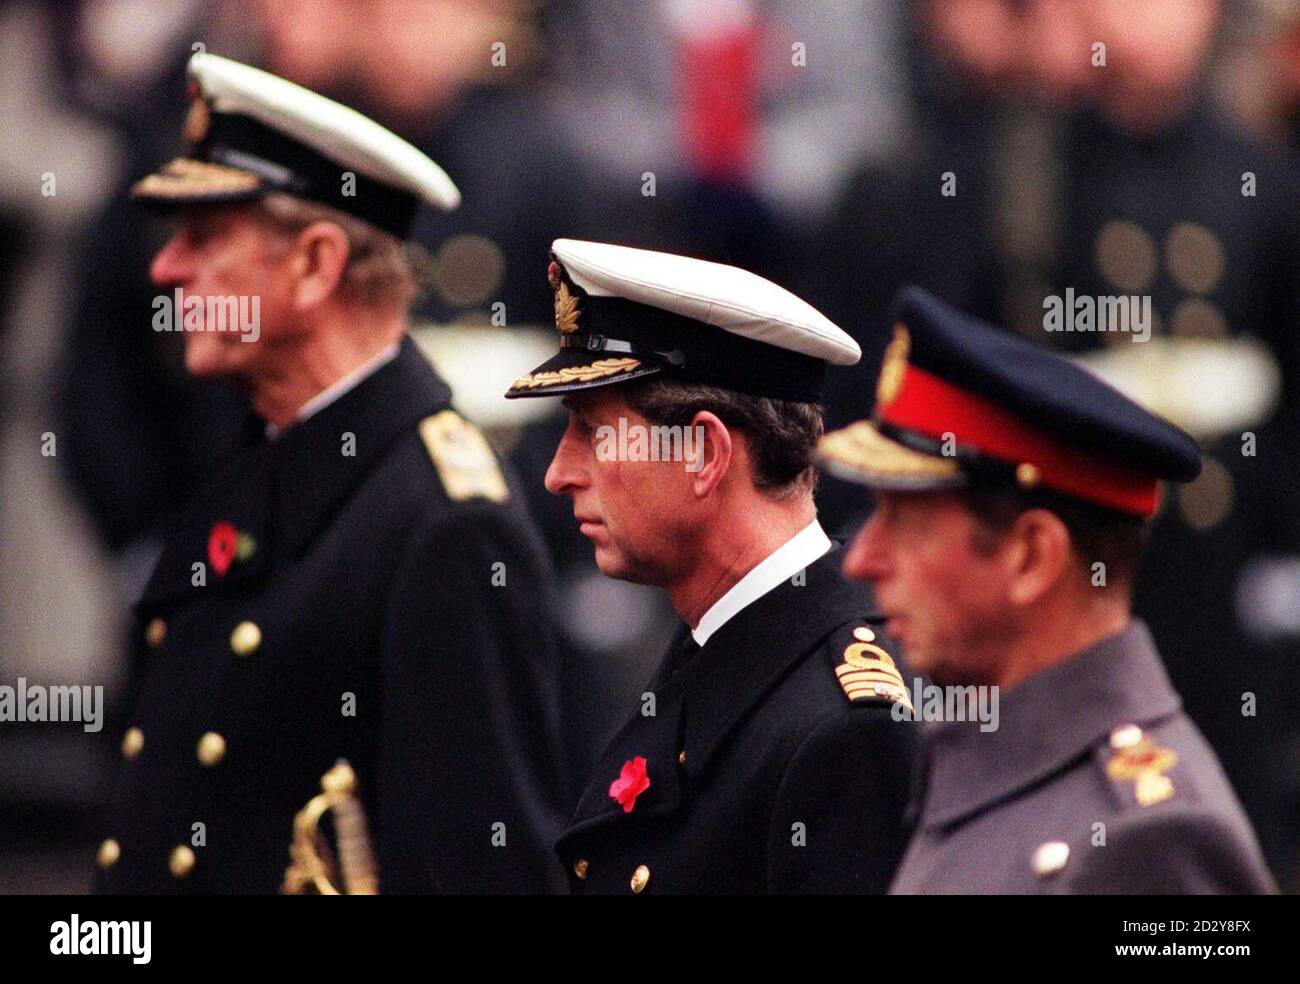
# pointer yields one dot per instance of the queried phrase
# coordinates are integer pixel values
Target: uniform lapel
(277, 495)
(1045, 723)
(322, 459)
(702, 703)
(239, 498)
(758, 647)
(655, 737)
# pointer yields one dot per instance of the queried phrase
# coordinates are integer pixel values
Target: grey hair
(381, 271)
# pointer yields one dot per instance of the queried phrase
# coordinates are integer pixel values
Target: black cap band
(693, 351)
(291, 166)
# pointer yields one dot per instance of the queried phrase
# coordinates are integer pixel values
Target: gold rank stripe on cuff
(576, 374)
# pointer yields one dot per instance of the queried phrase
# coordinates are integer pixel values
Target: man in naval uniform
(1012, 490)
(762, 756)
(359, 581)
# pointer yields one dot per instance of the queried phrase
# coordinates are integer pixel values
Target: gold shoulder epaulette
(465, 461)
(867, 672)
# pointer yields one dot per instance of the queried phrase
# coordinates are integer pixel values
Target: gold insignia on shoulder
(1145, 763)
(866, 670)
(576, 374)
(894, 366)
(566, 309)
(465, 461)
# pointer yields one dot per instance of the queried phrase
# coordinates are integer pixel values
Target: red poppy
(632, 781)
(223, 544)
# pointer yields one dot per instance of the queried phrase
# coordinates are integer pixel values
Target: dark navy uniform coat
(383, 607)
(1094, 781)
(764, 776)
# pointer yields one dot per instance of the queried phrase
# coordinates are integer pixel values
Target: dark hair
(783, 434)
(1097, 533)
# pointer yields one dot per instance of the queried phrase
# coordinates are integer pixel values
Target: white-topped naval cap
(343, 135)
(724, 296)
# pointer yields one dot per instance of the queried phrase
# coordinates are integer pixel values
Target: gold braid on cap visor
(859, 451)
(576, 374)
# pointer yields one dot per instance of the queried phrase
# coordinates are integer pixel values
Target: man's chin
(946, 673)
(610, 564)
(207, 361)
(920, 662)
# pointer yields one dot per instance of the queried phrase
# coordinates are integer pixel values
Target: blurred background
(996, 152)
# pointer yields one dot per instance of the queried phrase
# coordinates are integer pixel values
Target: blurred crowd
(997, 152)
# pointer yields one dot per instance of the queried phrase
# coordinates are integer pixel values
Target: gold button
(681, 757)
(864, 634)
(245, 639)
(212, 749)
(640, 878)
(1050, 858)
(108, 853)
(155, 632)
(580, 867)
(181, 862)
(1125, 736)
(1027, 475)
(132, 742)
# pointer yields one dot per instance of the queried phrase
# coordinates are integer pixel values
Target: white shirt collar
(339, 387)
(783, 563)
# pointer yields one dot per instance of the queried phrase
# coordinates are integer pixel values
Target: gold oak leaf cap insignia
(465, 461)
(867, 672)
(894, 366)
(566, 302)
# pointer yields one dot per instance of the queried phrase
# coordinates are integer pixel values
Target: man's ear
(1040, 555)
(709, 449)
(319, 256)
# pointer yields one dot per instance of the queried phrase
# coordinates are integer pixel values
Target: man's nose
(174, 262)
(867, 558)
(565, 475)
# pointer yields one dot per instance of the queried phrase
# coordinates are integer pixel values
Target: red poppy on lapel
(632, 781)
(226, 544)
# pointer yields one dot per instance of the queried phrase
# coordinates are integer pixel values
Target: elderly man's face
(639, 514)
(944, 599)
(227, 252)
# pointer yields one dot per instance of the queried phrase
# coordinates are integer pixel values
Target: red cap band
(934, 407)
